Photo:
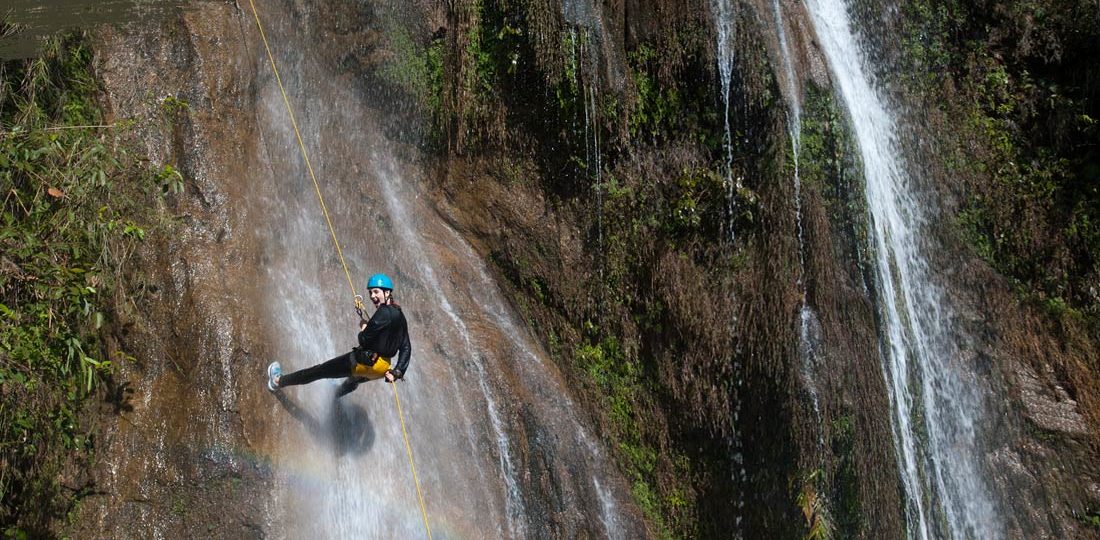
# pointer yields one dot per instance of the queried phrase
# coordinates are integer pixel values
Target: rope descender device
(359, 305)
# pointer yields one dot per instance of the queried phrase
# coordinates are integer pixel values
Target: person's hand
(390, 376)
(362, 324)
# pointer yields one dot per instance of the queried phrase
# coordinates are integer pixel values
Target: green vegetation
(659, 110)
(638, 167)
(828, 165)
(619, 380)
(831, 502)
(495, 60)
(1020, 74)
(683, 214)
(1092, 519)
(417, 69)
(845, 483)
(75, 206)
(819, 525)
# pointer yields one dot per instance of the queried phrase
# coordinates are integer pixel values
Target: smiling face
(377, 296)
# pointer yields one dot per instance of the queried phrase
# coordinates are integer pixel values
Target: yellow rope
(302, 145)
(408, 448)
(332, 231)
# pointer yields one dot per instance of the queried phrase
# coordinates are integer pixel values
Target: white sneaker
(273, 372)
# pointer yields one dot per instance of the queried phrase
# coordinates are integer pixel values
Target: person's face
(377, 296)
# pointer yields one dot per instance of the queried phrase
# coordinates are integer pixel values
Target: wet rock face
(1043, 462)
(183, 458)
(709, 317)
(36, 22)
(848, 436)
(1047, 405)
(190, 453)
(180, 459)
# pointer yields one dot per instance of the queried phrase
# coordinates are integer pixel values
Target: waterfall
(724, 29)
(937, 404)
(477, 380)
(794, 96)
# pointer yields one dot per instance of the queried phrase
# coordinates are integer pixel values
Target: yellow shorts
(377, 371)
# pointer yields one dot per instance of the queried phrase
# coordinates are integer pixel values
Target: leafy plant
(75, 203)
(819, 525)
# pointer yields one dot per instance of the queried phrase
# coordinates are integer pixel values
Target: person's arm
(404, 350)
(403, 355)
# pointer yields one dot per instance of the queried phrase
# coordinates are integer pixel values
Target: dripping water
(724, 29)
(808, 326)
(586, 35)
(724, 16)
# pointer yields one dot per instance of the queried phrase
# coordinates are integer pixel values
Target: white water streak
(724, 28)
(494, 305)
(469, 466)
(515, 506)
(936, 403)
(724, 24)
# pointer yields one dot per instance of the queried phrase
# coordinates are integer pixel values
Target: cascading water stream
(808, 326)
(610, 514)
(723, 14)
(794, 130)
(936, 401)
(341, 465)
(514, 504)
(724, 30)
(586, 40)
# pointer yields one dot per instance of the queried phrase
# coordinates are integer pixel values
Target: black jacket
(387, 333)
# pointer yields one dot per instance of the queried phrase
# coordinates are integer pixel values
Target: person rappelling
(381, 338)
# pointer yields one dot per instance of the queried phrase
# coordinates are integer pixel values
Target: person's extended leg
(333, 369)
(349, 384)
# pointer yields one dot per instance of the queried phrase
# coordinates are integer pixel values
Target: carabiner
(359, 305)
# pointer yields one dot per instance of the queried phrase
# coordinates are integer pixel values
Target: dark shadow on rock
(118, 395)
(347, 427)
(350, 428)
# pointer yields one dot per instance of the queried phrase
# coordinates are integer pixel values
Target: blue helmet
(380, 281)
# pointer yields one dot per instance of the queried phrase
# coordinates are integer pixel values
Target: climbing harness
(375, 370)
(340, 253)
